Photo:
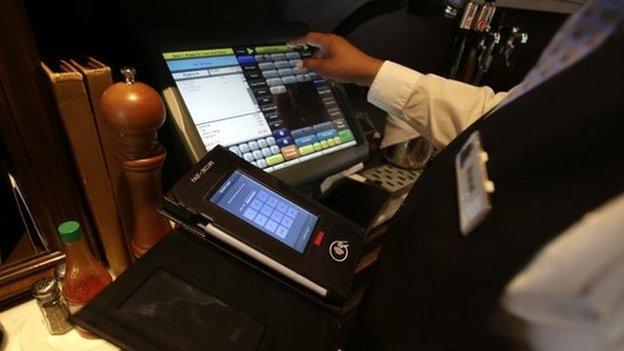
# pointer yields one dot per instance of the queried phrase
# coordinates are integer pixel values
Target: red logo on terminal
(318, 240)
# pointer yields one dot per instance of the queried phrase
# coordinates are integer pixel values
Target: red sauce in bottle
(85, 277)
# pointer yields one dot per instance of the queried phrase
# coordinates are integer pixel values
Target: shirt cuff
(392, 87)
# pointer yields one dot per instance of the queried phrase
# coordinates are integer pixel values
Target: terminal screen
(266, 210)
(257, 102)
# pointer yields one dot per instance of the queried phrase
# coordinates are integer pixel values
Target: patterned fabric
(584, 31)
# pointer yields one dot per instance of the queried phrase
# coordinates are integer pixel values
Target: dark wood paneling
(29, 128)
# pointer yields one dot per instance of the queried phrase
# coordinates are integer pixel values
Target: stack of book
(77, 86)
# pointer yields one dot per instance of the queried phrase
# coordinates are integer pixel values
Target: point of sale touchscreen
(260, 104)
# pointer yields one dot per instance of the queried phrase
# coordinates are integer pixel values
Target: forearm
(438, 108)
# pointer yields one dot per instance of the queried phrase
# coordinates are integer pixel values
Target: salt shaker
(53, 307)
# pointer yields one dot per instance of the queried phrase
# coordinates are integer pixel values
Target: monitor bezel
(162, 40)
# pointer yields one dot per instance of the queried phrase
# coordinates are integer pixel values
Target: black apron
(555, 153)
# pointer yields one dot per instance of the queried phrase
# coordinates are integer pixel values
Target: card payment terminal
(226, 198)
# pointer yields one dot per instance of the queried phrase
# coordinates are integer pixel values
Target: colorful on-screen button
(280, 133)
(274, 159)
(326, 134)
(285, 141)
(301, 132)
(345, 135)
(308, 149)
(246, 60)
(290, 152)
(306, 140)
(323, 126)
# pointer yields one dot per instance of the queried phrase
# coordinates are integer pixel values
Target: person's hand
(338, 59)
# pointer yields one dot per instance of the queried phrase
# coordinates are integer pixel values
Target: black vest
(555, 153)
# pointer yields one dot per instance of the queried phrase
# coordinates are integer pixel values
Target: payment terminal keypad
(276, 220)
(265, 210)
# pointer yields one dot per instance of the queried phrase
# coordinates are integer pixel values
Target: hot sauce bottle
(85, 277)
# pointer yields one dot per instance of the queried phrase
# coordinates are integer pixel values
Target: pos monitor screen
(247, 92)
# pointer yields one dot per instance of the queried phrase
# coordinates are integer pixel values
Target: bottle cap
(69, 231)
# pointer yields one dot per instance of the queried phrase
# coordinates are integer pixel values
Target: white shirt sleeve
(437, 108)
(571, 295)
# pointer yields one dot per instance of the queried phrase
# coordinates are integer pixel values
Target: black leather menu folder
(188, 294)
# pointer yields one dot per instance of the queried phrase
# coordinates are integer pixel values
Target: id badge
(473, 186)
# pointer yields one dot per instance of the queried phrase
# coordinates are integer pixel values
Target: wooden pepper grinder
(135, 111)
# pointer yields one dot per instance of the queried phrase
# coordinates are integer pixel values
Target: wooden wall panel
(29, 128)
